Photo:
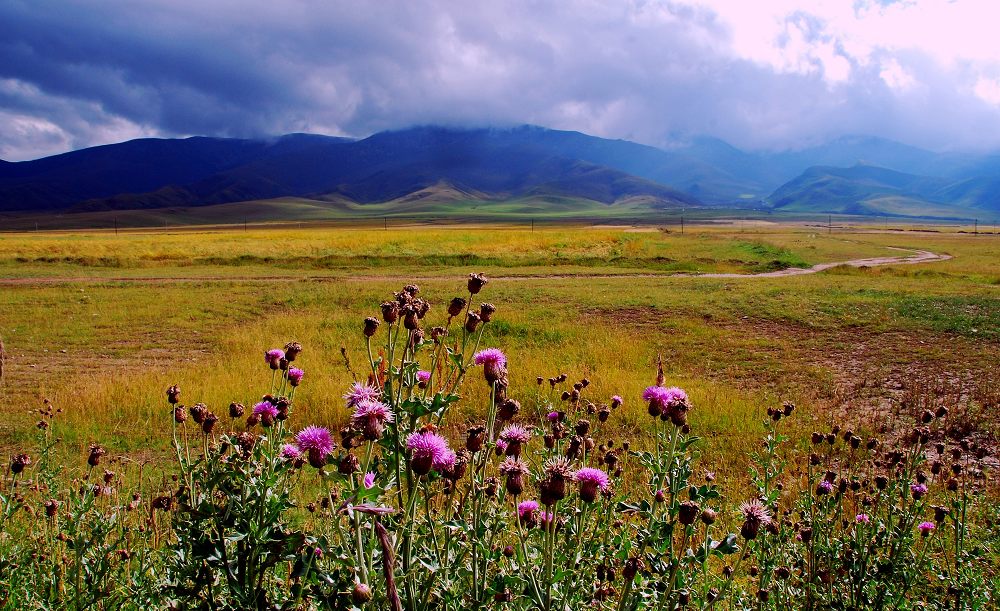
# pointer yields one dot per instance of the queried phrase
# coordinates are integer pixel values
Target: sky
(762, 74)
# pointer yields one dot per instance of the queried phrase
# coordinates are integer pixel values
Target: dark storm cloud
(75, 74)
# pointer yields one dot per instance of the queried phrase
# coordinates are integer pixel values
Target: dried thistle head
(476, 283)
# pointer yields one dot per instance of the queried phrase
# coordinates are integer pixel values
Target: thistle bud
(507, 410)
(688, 512)
(173, 394)
(209, 424)
(456, 306)
(476, 437)
(486, 311)
(390, 312)
(292, 350)
(51, 508)
(236, 410)
(472, 322)
(632, 567)
(806, 534)
(180, 414)
(371, 326)
(348, 464)
(361, 593)
(410, 319)
(198, 412)
(476, 283)
(18, 462)
(96, 452)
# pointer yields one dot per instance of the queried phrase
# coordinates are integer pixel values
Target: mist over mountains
(856, 175)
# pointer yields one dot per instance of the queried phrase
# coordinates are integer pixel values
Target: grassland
(101, 324)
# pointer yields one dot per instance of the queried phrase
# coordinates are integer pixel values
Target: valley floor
(101, 324)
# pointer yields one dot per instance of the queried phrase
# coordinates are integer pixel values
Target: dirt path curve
(918, 256)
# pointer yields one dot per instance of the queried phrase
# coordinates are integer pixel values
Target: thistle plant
(534, 503)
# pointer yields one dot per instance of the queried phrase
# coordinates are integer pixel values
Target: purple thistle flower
(655, 393)
(369, 480)
(755, 515)
(553, 416)
(591, 480)
(501, 446)
(514, 469)
(315, 438)
(918, 490)
(265, 408)
(360, 392)
(526, 508)
(862, 518)
(290, 451)
(445, 461)
(925, 528)
(490, 356)
(616, 401)
(662, 399)
(273, 357)
(527, 512)
(494, 364)
(428, 450)
(513, 436)
(676, 396)
(423, 376)
(295, 376)
(370, 417)
(593, 476)
(824, 487)
(317, 442)
(515, 433)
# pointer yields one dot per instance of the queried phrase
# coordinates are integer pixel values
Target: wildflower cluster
(534, 503)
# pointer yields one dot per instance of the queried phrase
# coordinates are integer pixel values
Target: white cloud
(895, 76)
(988, 90)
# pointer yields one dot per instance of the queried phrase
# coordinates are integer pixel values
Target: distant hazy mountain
(426, 162)
(203, 171)
(865, 189)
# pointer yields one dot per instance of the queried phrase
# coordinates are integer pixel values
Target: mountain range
(855, 175)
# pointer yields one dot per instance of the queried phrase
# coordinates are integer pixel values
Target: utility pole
(244, 224)
(116, 225)
(532, 225)
(682, 224)
(975, 231)
(385, 221)
(829, 225)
